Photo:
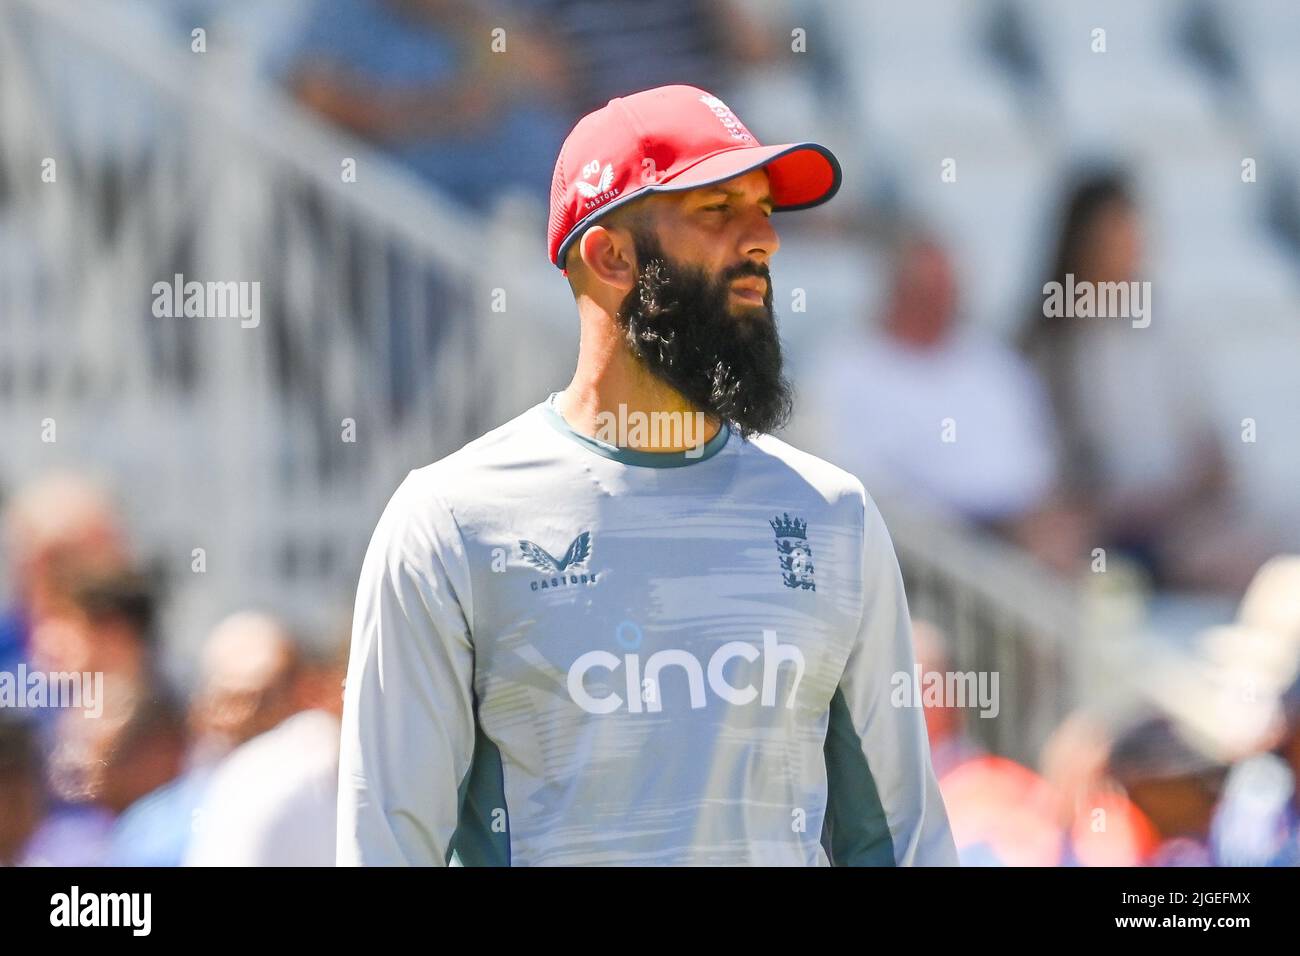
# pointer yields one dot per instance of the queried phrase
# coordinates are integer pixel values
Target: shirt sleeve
(883, 806)
(408, 729)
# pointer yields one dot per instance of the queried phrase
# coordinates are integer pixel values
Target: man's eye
(717, 207)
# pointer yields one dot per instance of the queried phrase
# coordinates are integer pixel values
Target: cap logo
(727, 118)
(598, 193)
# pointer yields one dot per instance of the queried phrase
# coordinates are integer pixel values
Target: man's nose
(761, 241)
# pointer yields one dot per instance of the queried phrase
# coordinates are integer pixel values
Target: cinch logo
(642, 687)
(600, 192)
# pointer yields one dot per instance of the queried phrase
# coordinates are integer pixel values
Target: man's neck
(611, 391)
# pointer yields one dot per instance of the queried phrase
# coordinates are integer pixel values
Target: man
(57, 523)
(884, 399)
(124, 737)
(629, 626)
(272, 801)
(248, 670)
(1174, 784)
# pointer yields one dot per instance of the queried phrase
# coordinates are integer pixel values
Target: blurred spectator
(134, 748)
(71, 835)
(119, 735)
(421, 80)
(426, 82)
(884, 401)
(950, 744)
(35, 831)
(21, 791)
(1002, 814)
(1137, 450)
(617, 47)
(248, 674)
(249, 671)
(99, 621)
(57, 522)
(147, 753)
(1105, 827)
(98, 629)
(79, 615)
(1174, 785)
(1258, 822)
(272, 802)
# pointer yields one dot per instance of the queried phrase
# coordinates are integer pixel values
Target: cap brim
(800, 176)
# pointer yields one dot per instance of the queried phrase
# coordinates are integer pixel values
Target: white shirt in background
(885, 410)
(272, 800)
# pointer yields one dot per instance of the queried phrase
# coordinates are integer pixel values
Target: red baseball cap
(669, 139)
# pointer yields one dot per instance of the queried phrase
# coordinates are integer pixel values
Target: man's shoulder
(429, 503)
(838, 487)
(507, 442)
(831, 481)
(463, 473)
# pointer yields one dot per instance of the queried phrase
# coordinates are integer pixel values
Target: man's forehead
(753, 183)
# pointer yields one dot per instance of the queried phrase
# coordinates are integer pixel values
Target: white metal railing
(1000, 611)
(375, 303)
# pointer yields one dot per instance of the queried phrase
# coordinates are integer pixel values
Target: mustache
(746, 270)
(656, 278)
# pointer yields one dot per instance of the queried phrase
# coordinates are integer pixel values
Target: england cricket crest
(794, 552)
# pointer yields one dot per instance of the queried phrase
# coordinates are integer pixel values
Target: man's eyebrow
(765, 200)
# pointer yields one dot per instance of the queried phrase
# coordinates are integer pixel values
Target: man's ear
(609, 253)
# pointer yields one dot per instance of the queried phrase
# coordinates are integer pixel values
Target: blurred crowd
(1148, 787)
(128, 770)
(1083, 433)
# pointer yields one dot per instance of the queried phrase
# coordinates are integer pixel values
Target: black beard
(678, 323)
